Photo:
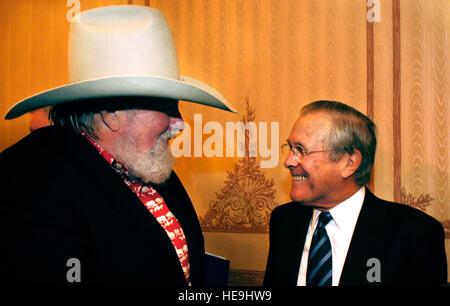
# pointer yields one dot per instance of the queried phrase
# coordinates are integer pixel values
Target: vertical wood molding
(146, 2)
(370, 69)
(396, 78)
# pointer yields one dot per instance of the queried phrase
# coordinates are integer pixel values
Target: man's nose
(290, 161)
(176, 125)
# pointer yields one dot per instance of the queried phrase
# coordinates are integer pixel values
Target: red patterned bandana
(155, 205)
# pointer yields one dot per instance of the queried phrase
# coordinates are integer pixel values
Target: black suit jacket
(409, 244)
(60, 199)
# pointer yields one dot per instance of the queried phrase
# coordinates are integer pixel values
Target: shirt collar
(115, 164)
(346, 213)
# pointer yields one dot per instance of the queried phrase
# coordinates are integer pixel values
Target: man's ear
(111, 120)
(351, 163)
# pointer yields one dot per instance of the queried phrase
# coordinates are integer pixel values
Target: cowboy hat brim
(186, 89)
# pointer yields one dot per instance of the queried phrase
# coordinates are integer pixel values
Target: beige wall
(278, 55)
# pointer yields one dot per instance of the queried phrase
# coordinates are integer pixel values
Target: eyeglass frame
(302, 152)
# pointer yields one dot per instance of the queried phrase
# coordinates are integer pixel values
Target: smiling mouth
(299, 177)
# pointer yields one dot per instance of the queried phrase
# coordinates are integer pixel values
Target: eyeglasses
(298, 150)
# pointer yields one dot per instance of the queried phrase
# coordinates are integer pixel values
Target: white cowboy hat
(123, 50)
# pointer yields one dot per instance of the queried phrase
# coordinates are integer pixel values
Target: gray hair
(352, 130)
(75, 117)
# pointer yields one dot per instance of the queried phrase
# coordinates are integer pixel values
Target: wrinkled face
(144, 146)
(316, 180)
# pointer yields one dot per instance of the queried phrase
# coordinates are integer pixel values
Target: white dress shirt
(339, 230)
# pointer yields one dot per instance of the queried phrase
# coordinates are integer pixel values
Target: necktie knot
(324, 218)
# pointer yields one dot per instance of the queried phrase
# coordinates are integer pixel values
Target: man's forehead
(311, 125)
(314, 120)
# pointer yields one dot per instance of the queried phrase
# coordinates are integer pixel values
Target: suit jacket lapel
(297, 228)
(365, 243)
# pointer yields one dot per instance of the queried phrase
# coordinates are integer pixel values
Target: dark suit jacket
(409, 244)
(60, 199)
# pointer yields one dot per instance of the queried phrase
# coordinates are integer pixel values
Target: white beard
(154, 165)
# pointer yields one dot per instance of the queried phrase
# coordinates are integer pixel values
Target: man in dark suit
(93, 200)
(336, 232)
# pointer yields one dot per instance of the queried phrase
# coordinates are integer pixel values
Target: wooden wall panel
(269, 58)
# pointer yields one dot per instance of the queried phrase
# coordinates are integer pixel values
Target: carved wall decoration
(421, 202)
(246, 201)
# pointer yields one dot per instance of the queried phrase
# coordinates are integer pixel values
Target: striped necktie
(319, 260)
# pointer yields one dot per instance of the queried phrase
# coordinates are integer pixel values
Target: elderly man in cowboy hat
(92, 199)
